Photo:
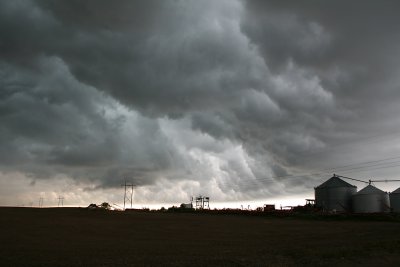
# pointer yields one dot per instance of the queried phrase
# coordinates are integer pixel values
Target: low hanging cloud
(227, 97)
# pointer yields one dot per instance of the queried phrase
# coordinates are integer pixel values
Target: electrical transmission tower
(40, 202)
(60, 201)
(128, 193)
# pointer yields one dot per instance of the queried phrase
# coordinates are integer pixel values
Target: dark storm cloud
(49, 117)
(350, 45)
(48, 107)
(322, 34)
(141, 56)
(220, 92)
(51, 123)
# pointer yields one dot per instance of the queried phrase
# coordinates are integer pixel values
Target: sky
(247, 102)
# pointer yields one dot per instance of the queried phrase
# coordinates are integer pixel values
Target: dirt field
(79, 237)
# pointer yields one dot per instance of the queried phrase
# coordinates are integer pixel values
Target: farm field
(80, 237)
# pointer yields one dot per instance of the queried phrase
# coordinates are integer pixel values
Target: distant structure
(186, 206)
(202, 202)
(128, 193)
(92, 207)
(40, 202)
(371, 199)
(268, 207)
(60, 201)
(395, 200)
(334, 195)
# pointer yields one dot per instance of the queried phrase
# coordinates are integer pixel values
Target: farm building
(395, 200)
(334, 195)
(186, 206)
(371, 199)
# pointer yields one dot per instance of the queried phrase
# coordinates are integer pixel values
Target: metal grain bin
(334, 195)
(371, 199)
(395, 200)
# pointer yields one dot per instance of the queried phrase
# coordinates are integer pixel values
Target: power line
(385, 181)
(378, 168)
(360, 163)
(367, 164)
(308, 153)
(345, 177)
(381, 165)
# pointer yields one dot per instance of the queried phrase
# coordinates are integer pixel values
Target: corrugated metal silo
(395, 200)
(334, 195)
(371, 199)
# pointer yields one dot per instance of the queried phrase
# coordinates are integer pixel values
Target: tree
(105, 206)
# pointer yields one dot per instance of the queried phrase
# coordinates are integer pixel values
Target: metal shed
(334, 195)
(395, 200)
(371, 199)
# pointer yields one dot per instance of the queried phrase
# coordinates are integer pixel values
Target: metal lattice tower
(206, 203)
(199, 202)
(202, 202)
(128, 193)
(60, 201)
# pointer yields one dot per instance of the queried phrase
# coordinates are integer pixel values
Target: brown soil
(79, 237)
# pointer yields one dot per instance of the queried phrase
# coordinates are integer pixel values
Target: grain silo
(395, 200)
(371, 199)
(334, 195)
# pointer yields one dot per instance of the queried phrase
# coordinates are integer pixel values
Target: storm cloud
(225, 98)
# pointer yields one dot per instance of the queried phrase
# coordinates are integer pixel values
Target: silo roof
(370, 190)
(335, 182)
(397, 191)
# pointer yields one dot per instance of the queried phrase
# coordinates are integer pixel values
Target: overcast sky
(237, 100)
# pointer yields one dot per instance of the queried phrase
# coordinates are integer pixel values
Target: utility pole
(128, 193)
(60, 201)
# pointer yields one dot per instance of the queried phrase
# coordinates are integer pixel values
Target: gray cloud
(216, 96)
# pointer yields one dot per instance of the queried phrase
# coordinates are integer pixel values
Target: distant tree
(92, 206)
(173, 208)
(105, 206)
